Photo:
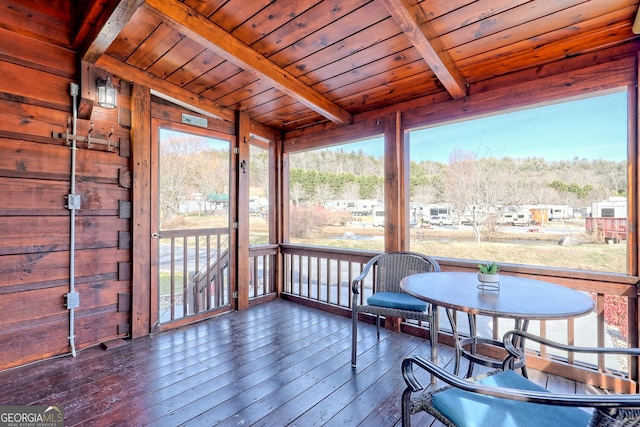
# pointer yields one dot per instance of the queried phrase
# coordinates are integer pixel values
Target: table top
(518, 297)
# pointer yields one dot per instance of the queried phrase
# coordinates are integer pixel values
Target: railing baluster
(571, 339)
(185, 294)
(173, 279)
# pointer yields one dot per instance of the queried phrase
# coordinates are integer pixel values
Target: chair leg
(354, 336)
(378, 326)
(406, 408)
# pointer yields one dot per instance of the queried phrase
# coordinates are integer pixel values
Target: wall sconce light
(106, 93)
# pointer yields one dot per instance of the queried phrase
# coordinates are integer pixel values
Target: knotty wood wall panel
(34, 339)
(23, 234)
(35, 270)
(35, 170)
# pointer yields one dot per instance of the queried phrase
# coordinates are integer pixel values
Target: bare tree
(296, 193)
(464, 188)
(177, 172)
(351, 191)
(323, 193)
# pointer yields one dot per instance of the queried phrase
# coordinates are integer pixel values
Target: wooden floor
(276, 364)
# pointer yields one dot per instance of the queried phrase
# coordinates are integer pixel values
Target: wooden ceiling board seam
(234, 13)
(336, 31)
(381, 100)
(363, 64)
(552, 51)
(227, 85)
(291, 113)
(307, 23)
(270, 18)
(573, 13)
(478, 13)
(135, 32)
(201, 64)
(537, 42)
(181, 53)
(236, 98)
(154, 47)
(276, 102)
(437, 8)
(614, 54)
(205, 7)
(380, 81)
(526, 32)
(379, 70)
(222, 71)
(258, 104)
(345, 49)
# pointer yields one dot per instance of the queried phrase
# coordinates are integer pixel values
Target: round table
(518, 298)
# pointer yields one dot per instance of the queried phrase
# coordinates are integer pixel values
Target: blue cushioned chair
(506, 399)
(388, 299)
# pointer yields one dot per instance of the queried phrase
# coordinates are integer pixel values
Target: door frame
(156, 125)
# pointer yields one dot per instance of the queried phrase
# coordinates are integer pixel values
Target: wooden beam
(197, 27)
(417, 27)
(176, 93)
(141, 221)
(393, 182)
(101, 25)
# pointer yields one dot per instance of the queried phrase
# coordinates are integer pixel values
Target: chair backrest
(392, 267)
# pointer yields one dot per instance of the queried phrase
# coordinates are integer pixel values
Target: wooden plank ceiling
(290, 64)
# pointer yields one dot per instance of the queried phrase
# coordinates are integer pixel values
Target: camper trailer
(613, 207)
(608, 219)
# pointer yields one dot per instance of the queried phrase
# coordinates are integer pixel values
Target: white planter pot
(488, 278)
(489, 282)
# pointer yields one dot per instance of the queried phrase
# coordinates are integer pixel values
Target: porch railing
(194, 270)
(262, 262)
(321, 277)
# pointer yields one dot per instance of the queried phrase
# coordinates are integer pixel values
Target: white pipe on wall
(71, 204)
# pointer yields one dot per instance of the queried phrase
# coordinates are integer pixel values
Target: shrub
(304, 222)
(615, 313)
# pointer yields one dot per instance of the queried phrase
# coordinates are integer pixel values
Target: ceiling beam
(182, 96)
(417, 27)
(101, 25)
(197, 27)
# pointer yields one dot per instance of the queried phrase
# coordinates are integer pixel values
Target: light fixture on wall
(106, 93)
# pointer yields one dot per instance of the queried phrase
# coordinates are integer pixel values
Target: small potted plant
(489, 276)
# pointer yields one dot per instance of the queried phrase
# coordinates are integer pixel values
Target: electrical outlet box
(73, 201)
(73, 300)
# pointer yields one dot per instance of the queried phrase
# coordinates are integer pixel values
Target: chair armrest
(354, 284)
(515, 353)
(592, 400)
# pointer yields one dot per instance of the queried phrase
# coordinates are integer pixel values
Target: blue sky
(592, 128)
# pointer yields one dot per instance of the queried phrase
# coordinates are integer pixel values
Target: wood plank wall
(35, 170)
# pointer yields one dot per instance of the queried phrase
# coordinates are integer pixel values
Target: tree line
(466, 180)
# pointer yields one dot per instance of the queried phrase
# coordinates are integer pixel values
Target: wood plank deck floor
(276, 364)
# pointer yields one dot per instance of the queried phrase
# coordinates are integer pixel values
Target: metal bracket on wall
(90, 141)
